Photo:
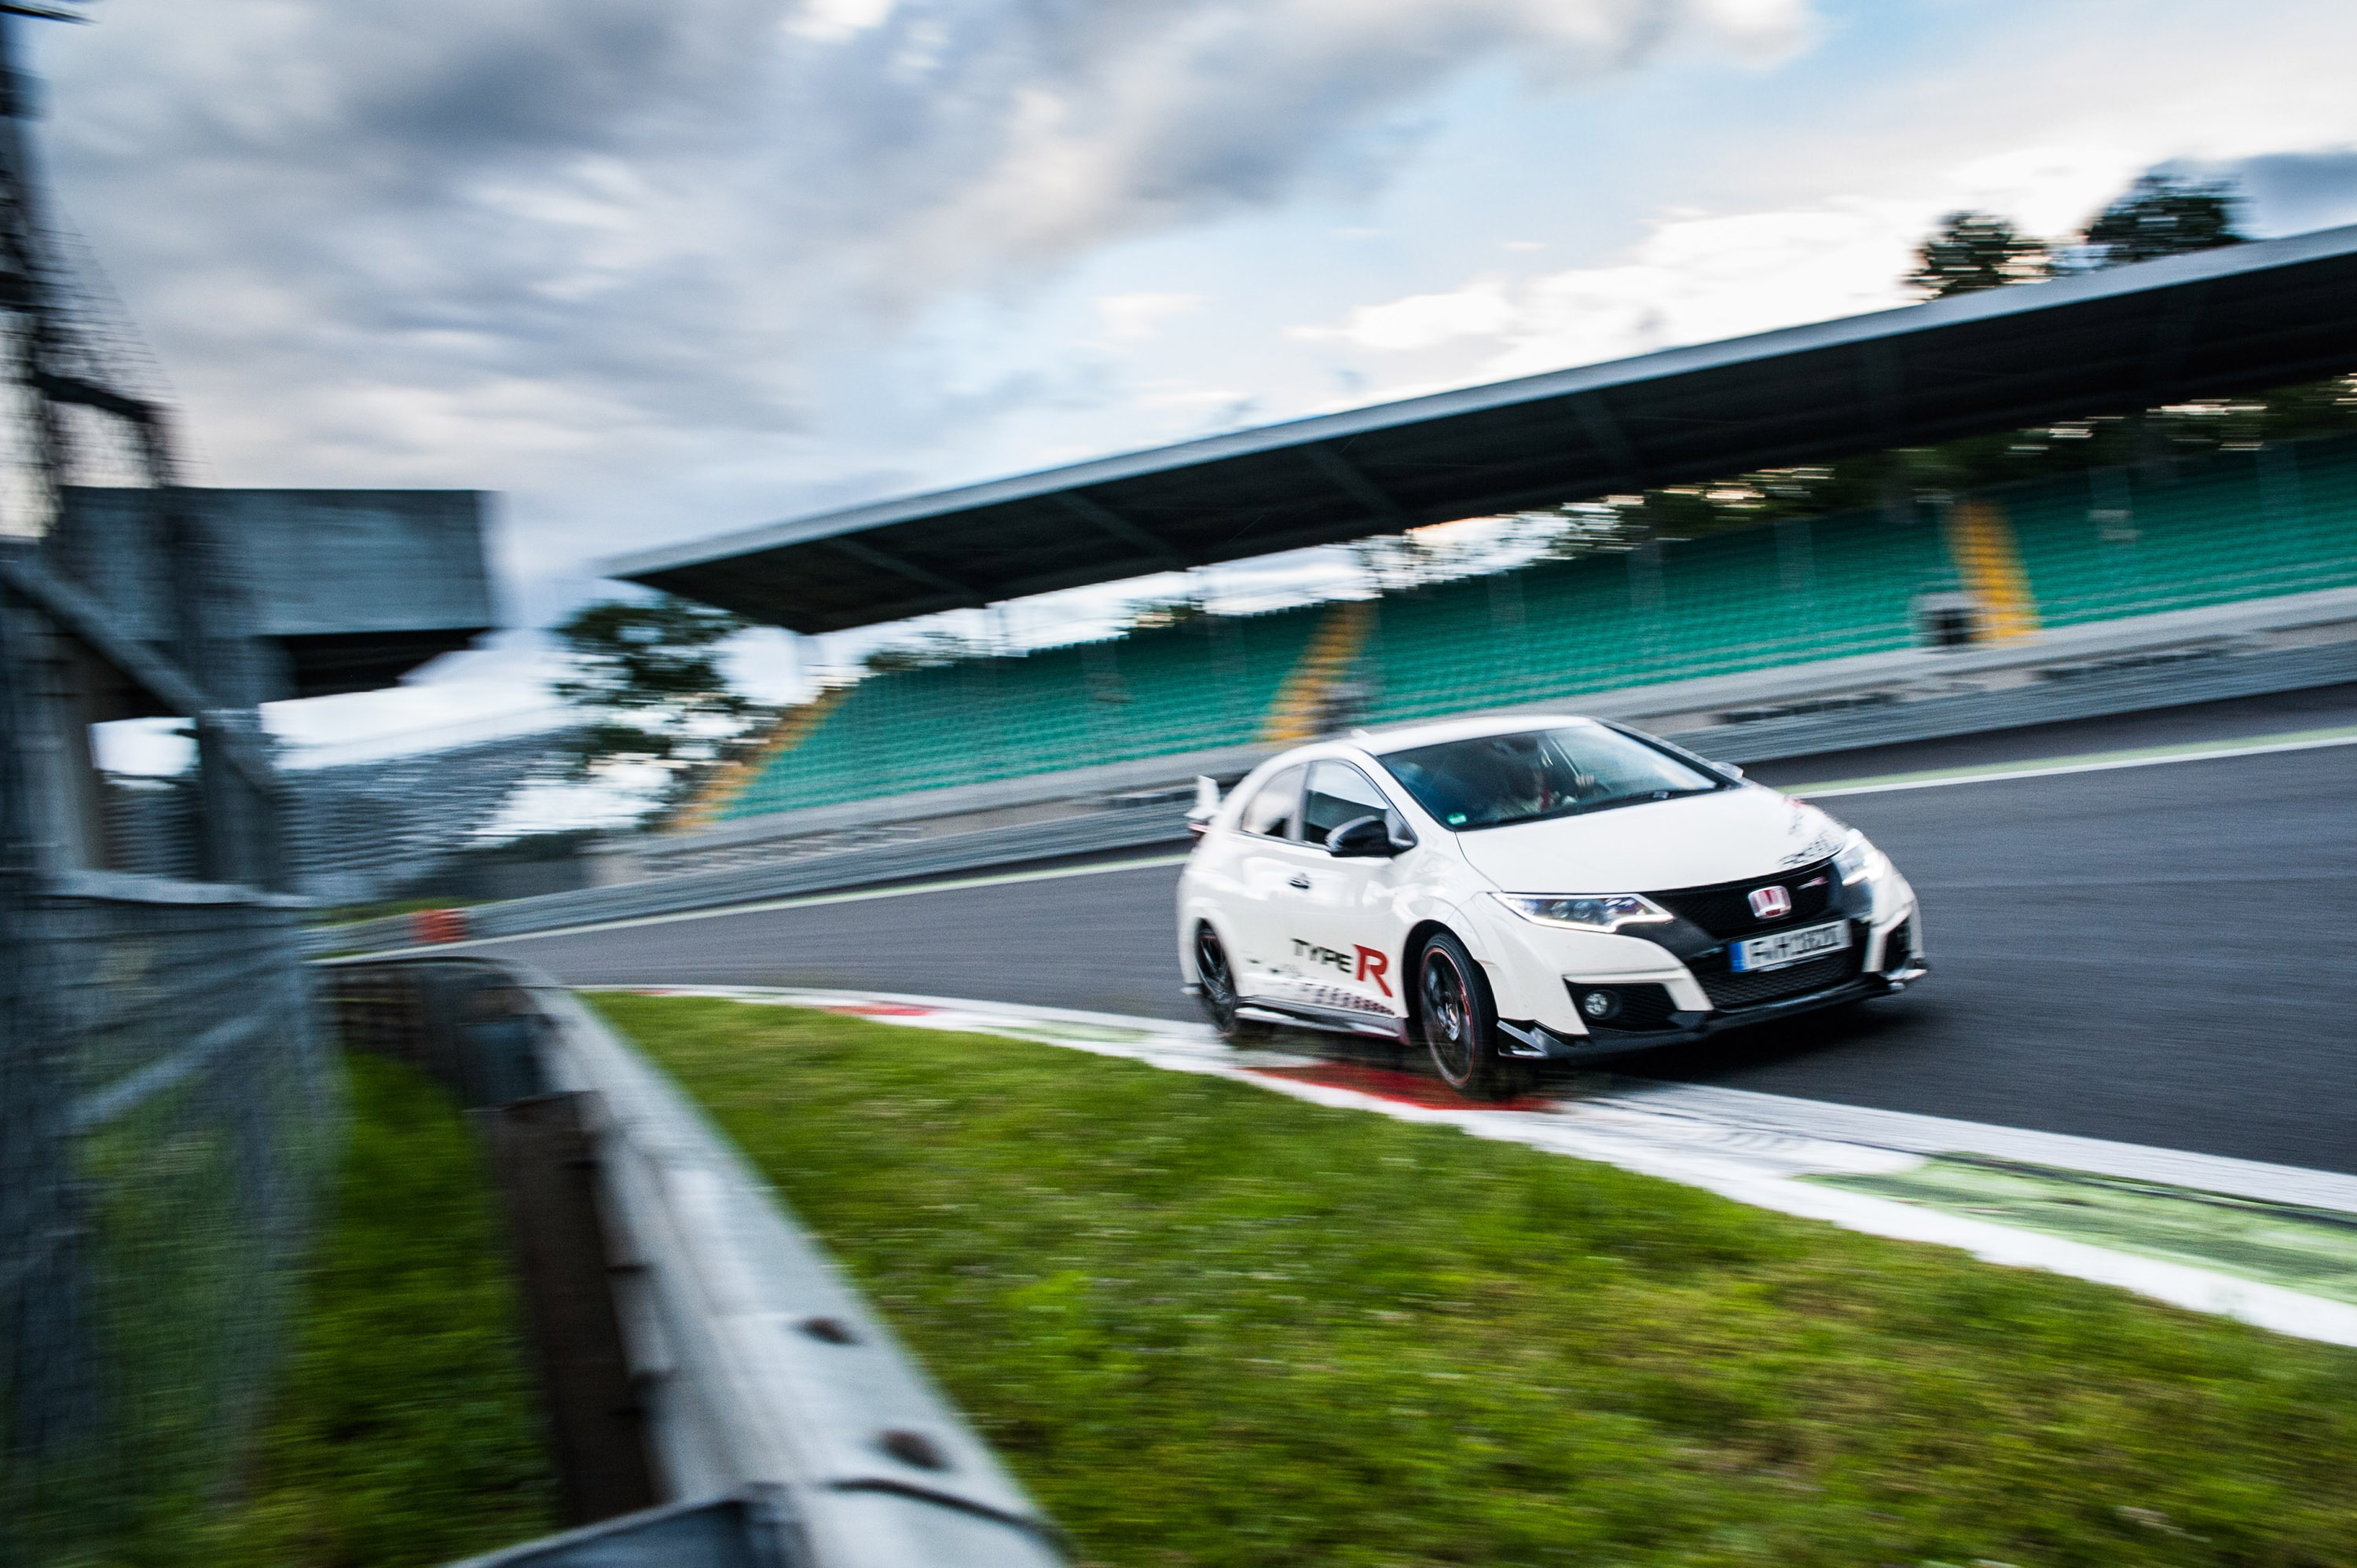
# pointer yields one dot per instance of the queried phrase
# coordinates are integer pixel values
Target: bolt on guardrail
(700, 1347)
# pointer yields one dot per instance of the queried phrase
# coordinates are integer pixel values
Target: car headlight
(1605, 912)
(1859, 861)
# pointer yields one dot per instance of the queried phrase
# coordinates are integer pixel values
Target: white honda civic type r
(1512, 892)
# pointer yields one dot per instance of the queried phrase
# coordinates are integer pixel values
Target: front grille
(1643, 1007)
(1730, 991)
(1724, 909)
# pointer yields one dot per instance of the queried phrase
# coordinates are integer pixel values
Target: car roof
(1380, 743)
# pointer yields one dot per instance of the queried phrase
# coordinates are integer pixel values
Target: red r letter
(1374, 965)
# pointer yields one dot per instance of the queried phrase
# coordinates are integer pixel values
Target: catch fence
(170, 1111)
(166, 1106)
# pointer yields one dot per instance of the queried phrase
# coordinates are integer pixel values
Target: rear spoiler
(1207, 804)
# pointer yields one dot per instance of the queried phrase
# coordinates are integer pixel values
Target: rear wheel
(1459, 1023)
(1215, 987)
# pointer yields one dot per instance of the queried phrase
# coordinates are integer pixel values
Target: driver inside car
(1522, 780)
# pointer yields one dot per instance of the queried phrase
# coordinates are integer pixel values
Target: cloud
(1090, 123)
(1692, 280)
(836, 20)
(1695, 278)
(2288, 193)
(1134, 318)
(1479, 310)
(404, 242)
(658, 270)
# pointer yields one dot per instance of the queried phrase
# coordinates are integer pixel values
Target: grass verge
(1212, 1326)
(408, 1427)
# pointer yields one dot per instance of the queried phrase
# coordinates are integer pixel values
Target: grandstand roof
(2236, 319)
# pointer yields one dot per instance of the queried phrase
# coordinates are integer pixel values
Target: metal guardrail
(2102, 690)
(1096, 834)
(780, 1419)
(749, 1531)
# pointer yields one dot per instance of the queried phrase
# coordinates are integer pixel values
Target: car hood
(1691, 843)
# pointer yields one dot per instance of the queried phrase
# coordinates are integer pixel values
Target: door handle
(1298, 881)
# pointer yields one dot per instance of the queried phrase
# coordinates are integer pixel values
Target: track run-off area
(2150, 948)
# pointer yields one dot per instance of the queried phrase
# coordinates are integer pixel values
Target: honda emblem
(1770, 903)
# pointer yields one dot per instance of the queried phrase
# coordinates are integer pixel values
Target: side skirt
(1334, 1020)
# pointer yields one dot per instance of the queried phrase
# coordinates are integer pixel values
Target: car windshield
(1497, 779)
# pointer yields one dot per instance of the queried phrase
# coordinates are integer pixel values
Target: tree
(1974, 251)
(2161, 215)
(927, 650)
(647, 675)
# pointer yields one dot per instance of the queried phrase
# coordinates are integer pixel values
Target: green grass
(1210, 1325)
(407, 1425)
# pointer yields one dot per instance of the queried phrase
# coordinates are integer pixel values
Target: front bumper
(1675, 984)
(1535, 1042)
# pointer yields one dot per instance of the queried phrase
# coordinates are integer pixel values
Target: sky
(653, 272)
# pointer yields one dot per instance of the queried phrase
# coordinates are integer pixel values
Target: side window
(1339, 793)
(1271, 809)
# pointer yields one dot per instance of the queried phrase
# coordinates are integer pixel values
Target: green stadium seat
(2241, 525)
(2115, 542)
(1800, 591)
(1184, 687)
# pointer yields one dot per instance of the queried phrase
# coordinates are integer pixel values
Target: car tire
(1458, 1022)
(1215, 988)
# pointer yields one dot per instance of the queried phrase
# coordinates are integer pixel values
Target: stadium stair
(1988, 558)
(1307, 698)
(732, 779)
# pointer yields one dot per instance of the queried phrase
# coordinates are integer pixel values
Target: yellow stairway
(1981, 543)
(728, 780)
(1332, 649)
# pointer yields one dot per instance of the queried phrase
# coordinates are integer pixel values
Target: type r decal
(1361, 963)
(1316, 954)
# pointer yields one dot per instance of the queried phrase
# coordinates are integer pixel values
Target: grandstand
(1206, 682)
(2106, 545)
(2110, 589)
(356, 832)
(361, 831)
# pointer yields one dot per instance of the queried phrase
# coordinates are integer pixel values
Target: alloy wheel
(1447, 1016)
(1212, 974)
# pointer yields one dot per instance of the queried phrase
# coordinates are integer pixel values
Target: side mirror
(1206, 805)
(1362, 838)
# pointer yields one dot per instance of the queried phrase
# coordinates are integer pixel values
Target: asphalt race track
(2158, 955)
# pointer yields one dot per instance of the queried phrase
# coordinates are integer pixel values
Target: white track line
(1909, 1131)
(1813, 792)
(1742, 1145)
(809, 901)
(2098, 763)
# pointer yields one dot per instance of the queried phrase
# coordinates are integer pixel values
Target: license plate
(1788, 947)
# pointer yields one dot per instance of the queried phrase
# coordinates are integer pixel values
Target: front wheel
(1459, 1023)
(1215, 987)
